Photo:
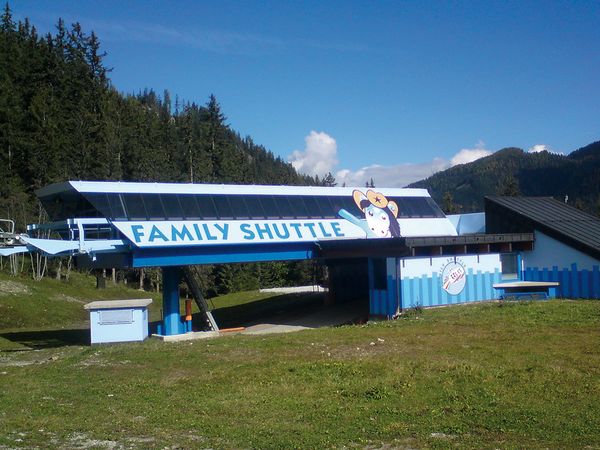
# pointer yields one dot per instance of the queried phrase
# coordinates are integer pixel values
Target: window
(255, 209)
(285, 210)
(116, 206)
(223, 208)
(207, 207)
(298, 206)
(510, 266)
(269, 206)
(135, 206)
(328, 211)
(312, 207)
(338, 203)
(171, 206)
(154, 207)
(189, 207)
(100, 202)
(238, 206)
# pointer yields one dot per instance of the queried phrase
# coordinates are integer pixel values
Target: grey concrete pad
(325, 316)
(188, 336)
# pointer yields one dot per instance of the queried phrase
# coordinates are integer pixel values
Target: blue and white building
(567, 242)
(390, 248)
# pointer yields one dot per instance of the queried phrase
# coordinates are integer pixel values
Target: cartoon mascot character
(380, 214)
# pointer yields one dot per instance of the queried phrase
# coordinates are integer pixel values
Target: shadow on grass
(280, 305)
(281, 309)
(47, 338)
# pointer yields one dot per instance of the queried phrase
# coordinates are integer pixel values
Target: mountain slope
(534, 174)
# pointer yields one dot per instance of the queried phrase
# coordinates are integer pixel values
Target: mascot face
(378, 221)
(379, 212)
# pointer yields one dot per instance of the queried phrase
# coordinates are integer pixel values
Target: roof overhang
(426, 246)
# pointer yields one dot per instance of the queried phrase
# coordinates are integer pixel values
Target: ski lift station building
(390, 248)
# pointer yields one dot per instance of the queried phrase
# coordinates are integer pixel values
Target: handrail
(7, 237)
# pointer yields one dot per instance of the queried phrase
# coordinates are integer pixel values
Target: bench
(527, 289)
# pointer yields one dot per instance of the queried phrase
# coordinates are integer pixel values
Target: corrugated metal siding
(384, 302)
(574, 283)
(427, 290)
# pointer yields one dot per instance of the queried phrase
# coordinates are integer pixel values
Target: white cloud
(538, 148)
(318, 157)
(401, 175)
(467, 155)
(398, 175)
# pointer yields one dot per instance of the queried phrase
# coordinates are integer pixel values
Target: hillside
(511, 171)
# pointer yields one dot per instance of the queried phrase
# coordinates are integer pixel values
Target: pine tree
(448, 204)
(509, 187)
(329, 180)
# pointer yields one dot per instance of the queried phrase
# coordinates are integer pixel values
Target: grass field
(496, 375)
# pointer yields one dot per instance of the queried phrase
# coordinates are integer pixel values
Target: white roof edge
(235, 189)
(110, 304)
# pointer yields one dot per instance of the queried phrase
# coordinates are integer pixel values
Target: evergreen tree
(509, 187)
(329, 180)
(448, 204)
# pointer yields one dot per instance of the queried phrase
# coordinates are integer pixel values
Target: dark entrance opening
(349, 285)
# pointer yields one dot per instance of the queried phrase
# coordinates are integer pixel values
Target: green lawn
(497, 375)
(49, 303)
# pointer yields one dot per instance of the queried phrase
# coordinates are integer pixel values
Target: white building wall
(419, 266)
(549, 252)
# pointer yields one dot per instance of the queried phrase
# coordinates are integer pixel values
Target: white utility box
(118, 320)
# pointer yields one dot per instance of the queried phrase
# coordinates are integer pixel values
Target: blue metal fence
(574, 282)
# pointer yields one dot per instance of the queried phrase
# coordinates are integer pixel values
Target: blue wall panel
(574, 283)
(595, 282)
(470, 287)
(435, 293)
(427, 290)
(384, 302)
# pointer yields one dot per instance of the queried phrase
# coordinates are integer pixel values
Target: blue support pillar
(171, 316)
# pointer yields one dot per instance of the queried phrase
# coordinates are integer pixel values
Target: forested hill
(61, 119)
(511, 171)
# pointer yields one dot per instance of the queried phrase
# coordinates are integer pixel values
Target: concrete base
(188, 336)
(269, 328)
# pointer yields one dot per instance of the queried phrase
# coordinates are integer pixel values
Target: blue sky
(390, 90)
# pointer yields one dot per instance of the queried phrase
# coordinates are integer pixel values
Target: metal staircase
(191, 276)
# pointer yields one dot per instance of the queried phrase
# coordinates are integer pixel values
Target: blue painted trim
(172, 256)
